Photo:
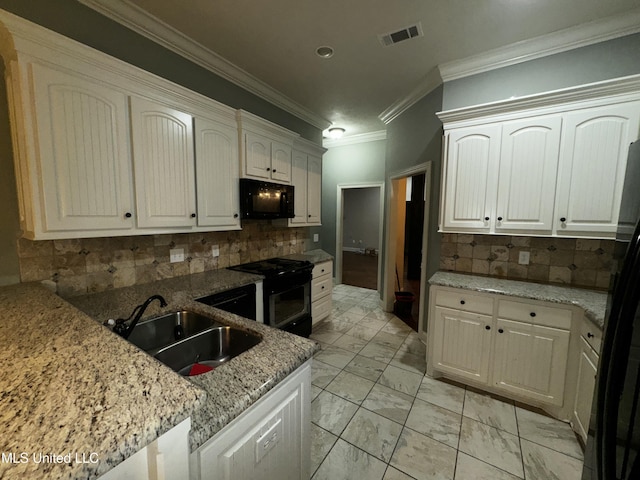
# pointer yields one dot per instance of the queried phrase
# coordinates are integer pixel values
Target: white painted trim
(605, 92)
(571, 38)
(340, 227)
(149, 26)
(355, 139)
(428, 85)
(388, 289)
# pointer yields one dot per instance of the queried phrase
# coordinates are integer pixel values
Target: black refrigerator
(614, 434)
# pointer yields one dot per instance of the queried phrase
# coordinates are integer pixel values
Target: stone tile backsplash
(570, 261)
(87, 265)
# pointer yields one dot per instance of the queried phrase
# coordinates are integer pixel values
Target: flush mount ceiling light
(335, 132)
(324, 52)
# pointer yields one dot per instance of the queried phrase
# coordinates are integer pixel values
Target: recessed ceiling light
(335, 132)
(324, 52)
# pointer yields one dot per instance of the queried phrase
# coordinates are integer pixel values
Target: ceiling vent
(406, 33)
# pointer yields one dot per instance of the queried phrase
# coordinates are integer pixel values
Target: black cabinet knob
(462, 302)
(532, 314)
(193, 215)
(499, 219)
(486, 219)
(590, 335)
(487, 327)
(268, 169)
(274, 170)
(235, 215)
(309, 216)
(563, 219)
(127, 215)
(500, 330)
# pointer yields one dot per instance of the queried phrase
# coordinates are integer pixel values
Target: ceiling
(275, 43)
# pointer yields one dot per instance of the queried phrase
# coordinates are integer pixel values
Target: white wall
(361, 218)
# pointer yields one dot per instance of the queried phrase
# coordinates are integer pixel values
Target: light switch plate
(316, 237)
(176, 255)
(215, 251)
(523, 258)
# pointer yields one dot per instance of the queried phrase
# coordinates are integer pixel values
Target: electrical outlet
(215, 251)
(316, 237)
(176, 255)
(523, 258)
(268, 440)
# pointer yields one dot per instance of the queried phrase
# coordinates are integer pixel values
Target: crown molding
(355, 139)
(426, 86)
(561, 41)
(149, 26)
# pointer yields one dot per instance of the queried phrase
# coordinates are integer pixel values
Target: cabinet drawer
(537, 314)
(591, 334)
(321, 287)
(321, 309)
(465, 301)
(323, 268)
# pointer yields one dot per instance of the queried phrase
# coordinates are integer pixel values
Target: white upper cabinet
(79, 157)
(471, 178)
(527, 174)
(306, 177)
(548, 165)
(217, 174)
(163, 165)
(257, 156)
(594, 154)
(281, 162)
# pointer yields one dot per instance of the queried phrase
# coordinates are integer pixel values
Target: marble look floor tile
(315, 391)
(414, 345)
(378, 352)
(380, 315)
(422, 457)
(398, 328)
(389, 403)
(468, 468)
(372, 323)
(322, 373)
(325, 336)
(350, 387)
(542, 463)
(373, 433)
(401, 380)
(362, 332)
(496, 447)
(407, 361)
(332, 412)
(549, 432)
(360, 310)
(346, 462)
(442, 394)
(490, 411)
(395, 474)
(352, 344)
(338, 357)
(436, 422)
(388, 339)
(321, 443)
(366, 367)
(341, 324)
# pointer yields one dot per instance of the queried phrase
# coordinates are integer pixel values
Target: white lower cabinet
(585, 385)
(321, 289)
(270, 440)
(517, 349)
(165, 458)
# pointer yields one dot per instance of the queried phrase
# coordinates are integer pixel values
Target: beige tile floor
(376, 415)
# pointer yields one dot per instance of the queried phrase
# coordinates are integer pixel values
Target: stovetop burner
(273, 266)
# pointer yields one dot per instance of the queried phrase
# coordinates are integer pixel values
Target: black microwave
(265, 200)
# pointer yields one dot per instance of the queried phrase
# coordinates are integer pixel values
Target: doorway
(359, 234)
(406, 244)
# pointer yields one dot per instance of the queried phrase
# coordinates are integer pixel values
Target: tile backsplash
(88, 265)
(570, 261)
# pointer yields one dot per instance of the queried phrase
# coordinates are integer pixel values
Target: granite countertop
(70, 386)
(313, 256)
(593, 302)
(233, 386)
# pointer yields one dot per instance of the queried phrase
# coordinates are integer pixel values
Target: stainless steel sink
(211, 347)
(158, 332)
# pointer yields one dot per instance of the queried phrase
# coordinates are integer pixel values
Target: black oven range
(286, 293)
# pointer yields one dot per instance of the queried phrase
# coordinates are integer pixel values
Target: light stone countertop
(313, 256)
(70, 386)
(594, 303)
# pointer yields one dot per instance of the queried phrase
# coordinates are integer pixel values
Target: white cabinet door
(257, 156)
(299, 180)
(461, 344)
(586, 382)
(530, 360)
(314, 189)
(83, 152)
(217, 174)
(594, 151)
(471, 178)
(527, 175)
(163, 165)
(280, 162)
